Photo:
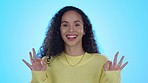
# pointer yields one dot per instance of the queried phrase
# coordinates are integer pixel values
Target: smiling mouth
(71, 37)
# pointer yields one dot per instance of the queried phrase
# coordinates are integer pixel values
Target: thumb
(106, 66)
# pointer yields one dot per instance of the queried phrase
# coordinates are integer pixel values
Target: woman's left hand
(109, 66)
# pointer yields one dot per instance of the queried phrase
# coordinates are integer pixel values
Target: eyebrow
(78, 21)
(64, 21)
(74, 21)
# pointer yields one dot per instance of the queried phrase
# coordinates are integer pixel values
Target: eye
(77, 25)
(65, 25)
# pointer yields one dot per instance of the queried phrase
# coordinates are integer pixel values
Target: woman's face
(71, 28)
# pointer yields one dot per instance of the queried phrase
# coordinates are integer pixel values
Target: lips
(71, 37)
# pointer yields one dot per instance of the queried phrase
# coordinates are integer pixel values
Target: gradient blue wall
(119, 25)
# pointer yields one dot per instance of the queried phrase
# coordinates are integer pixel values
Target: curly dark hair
(53, 43)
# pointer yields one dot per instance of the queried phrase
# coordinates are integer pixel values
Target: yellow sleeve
(42, 76)
(39, 77)
(110, 77)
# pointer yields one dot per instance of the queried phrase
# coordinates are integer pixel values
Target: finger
(31, 59)
(115, 58)
(124, 65)
(121, 60)
(34, 54)
(27, 63)
(44, 63)
(40, 60)
(110, 65)
(106, 66)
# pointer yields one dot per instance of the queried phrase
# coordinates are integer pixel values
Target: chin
(71, 44)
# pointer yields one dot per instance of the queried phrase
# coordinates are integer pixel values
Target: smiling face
(72, 29)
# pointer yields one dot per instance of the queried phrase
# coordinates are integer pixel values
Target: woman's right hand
(37, 64)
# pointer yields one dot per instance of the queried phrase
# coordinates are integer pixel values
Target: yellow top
(83, 69)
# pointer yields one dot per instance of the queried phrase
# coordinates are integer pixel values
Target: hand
(111, 67)
(37, 64)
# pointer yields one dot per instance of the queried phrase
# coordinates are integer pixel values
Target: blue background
(119, 25)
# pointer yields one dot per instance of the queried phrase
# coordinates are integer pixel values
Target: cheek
(62, 32)
(82, 32)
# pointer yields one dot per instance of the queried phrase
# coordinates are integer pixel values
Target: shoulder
(51, 59)
(47, 59)
(98, 57)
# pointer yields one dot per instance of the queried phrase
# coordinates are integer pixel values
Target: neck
(74, 50)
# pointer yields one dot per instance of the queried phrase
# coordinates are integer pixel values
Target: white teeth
(72, 36)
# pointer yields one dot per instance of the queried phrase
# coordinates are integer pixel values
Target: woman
(70, 54)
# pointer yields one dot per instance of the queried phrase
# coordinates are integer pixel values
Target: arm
(40, 77)
(110, 77)
(111, 72)
(39, 69)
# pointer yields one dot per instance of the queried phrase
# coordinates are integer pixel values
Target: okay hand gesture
(109, 66)
(37, 64)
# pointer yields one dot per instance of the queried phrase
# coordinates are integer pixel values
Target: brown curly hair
(53, 43)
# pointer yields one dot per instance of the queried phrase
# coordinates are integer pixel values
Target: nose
(71, 28)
